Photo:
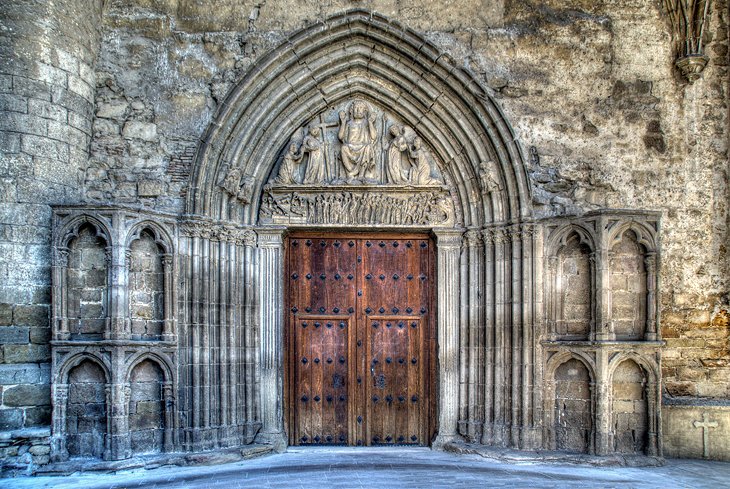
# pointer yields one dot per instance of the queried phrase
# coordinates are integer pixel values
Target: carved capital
(196, 229)
(500, 235)
(248, 238)
(167, 260)
(515, 233)
(650, 263)
(270, 237)
(471, 238)
(448, 238)
(62, 257)
(528, 230)
(488, 236)
(60, 392)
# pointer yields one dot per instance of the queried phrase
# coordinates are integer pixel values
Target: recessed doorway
(360, 338)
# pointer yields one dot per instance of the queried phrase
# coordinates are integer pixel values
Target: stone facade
(177, 143)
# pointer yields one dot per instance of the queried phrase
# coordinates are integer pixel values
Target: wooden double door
(360, 339)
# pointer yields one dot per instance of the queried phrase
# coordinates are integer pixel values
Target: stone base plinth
(696, 431)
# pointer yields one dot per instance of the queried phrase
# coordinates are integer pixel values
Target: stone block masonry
(47, 80)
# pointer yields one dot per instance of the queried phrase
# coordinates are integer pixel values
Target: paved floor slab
(398, 468)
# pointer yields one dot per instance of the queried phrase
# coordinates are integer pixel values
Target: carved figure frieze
(353, 144)
(343, 205)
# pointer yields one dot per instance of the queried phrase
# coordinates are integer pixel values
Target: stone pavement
(400, 468)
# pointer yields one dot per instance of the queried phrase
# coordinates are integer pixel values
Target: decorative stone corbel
(688, 19)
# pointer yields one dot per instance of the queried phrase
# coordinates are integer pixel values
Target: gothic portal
(358, 262)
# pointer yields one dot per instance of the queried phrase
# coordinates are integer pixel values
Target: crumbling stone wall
(146, 410)
(629, 408)
(146, 288)
(573, 412)
(87, 281)
(86, 413)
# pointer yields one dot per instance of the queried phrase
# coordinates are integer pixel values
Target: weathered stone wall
(628, 289)
(630, 412)
(87, 282)
(146, 419)
(589, 86)
(573, 407)
(86, 413)
(146, 288)
(47, 54)
(575, 276)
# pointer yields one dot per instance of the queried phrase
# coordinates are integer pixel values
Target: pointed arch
(365, 55)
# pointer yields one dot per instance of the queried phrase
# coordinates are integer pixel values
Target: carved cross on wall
(705, 424)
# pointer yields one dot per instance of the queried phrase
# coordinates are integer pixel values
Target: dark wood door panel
(358, 340)
(395, 391)
(321, 379)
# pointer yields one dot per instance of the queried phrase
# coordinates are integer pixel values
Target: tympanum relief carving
(357, 164)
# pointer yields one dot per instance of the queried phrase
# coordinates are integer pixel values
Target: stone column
(653, 413)
(168, 331)
(553, 300)
(59, 453)
(169, 403)
(603, 327)
(602, 396)
(271, 314)
(500, 339)
(487, 429)
(650, 263)
(515, 233)
(118, 263)
(474, 327)
(527, 434)
(60, 297)
(251, 412)
(118, 445)
(448, 242)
